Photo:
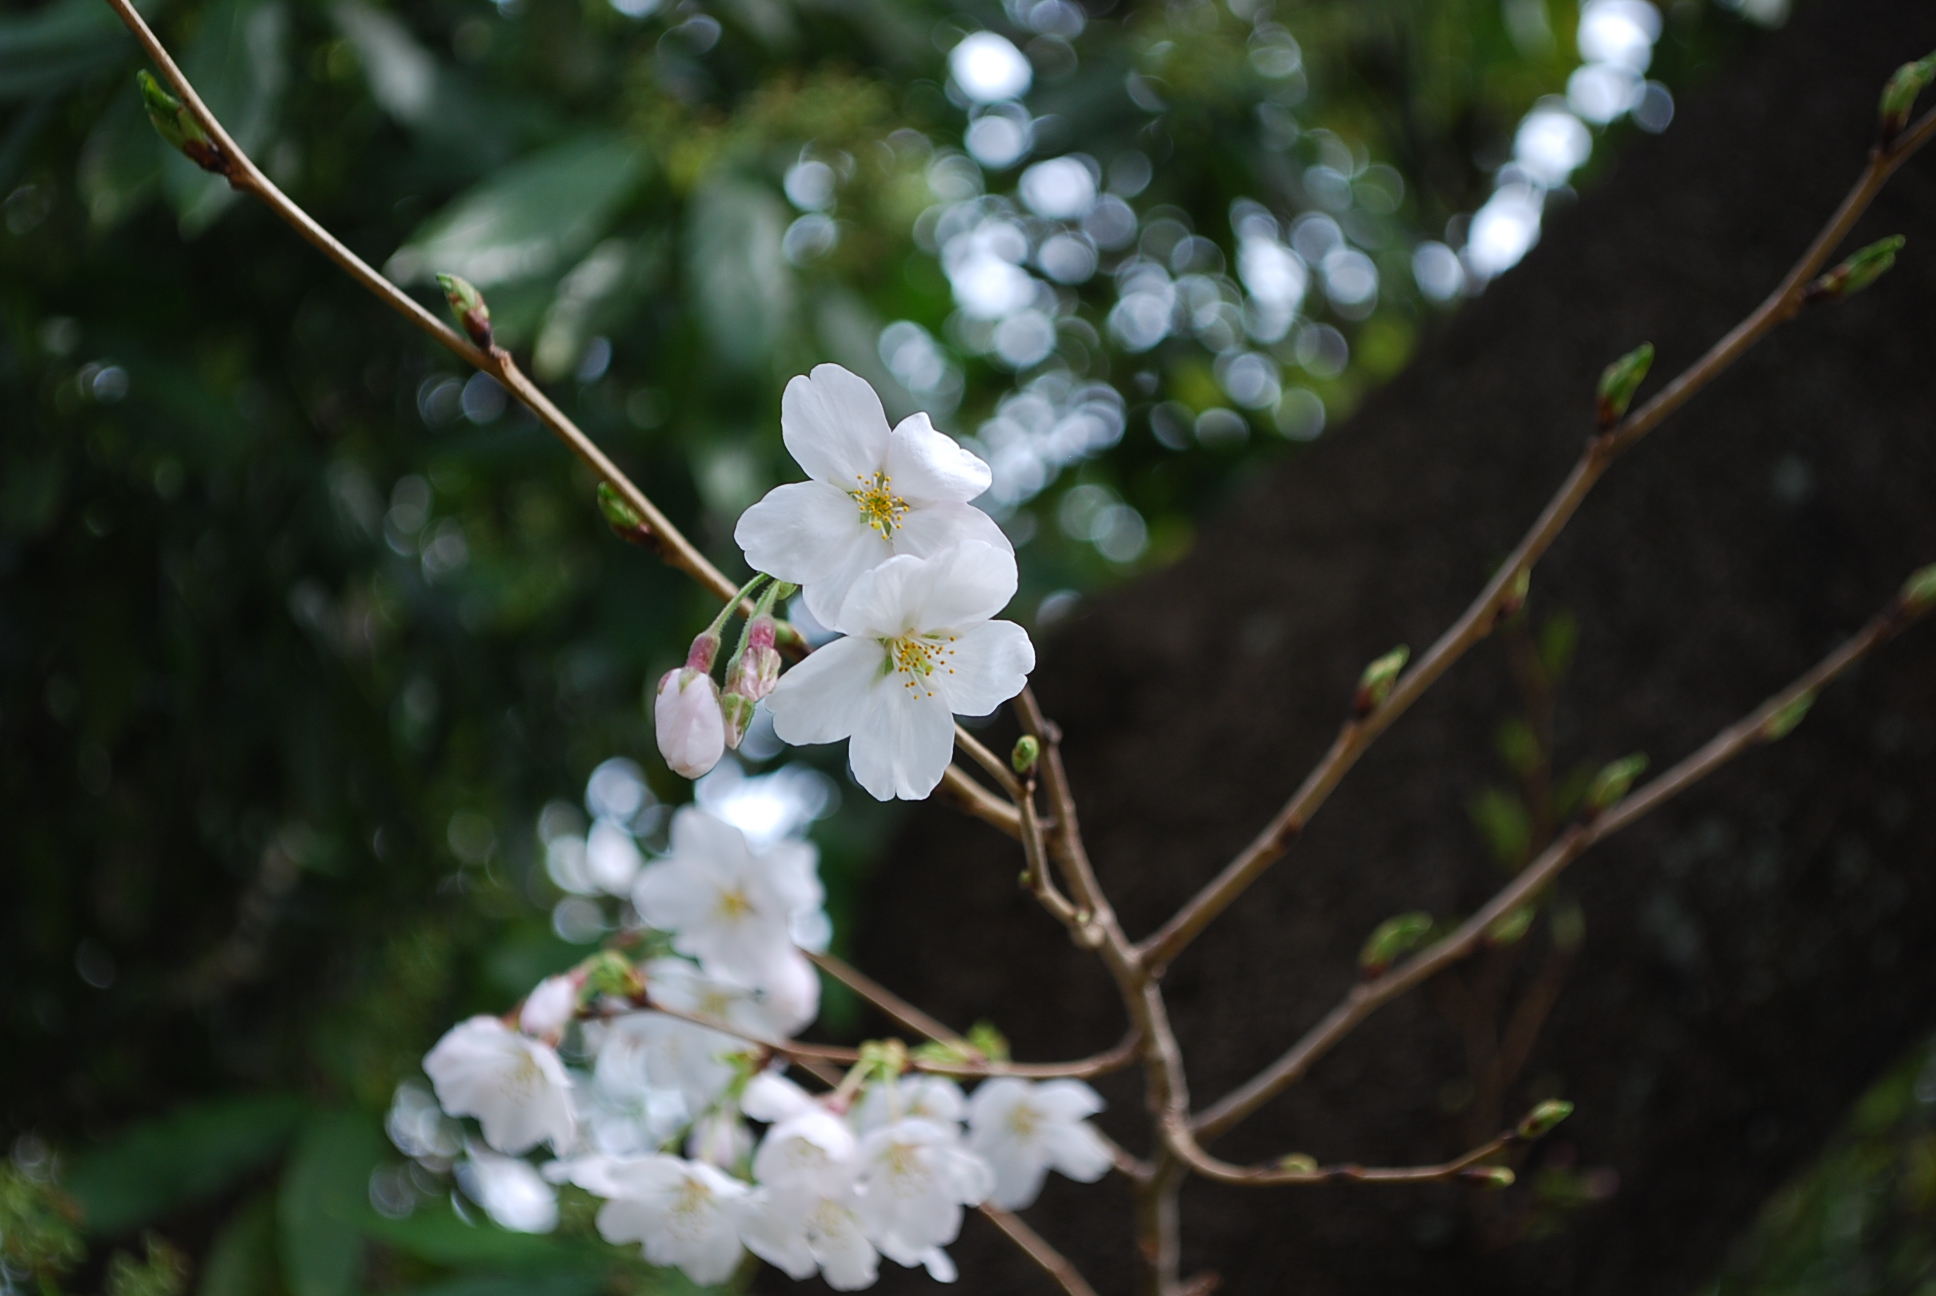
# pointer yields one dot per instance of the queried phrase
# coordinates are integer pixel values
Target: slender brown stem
(1051, 1261)
(997, 767)
(1266, 1176)
(244, 175)
(899, 1009)
(1042, 886)
(1369, 996)
(1480, 617)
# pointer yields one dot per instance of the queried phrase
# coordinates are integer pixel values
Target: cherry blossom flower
(811, 1151)
(920, 648)
(515, 1086)
(1022, 1130)
(549, 1008)
(799, 1231)
(873, 493)
(669, 1070)
(510, 1190)
(915, 1177)
(725, 905)
(913, 1097)
(686, 716)
(685, 1213)
(789, 1000)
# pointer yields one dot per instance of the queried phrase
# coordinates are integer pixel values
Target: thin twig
(243, 175)
(997, 767)
(1481, 616)
(1369, 996)
(1265, 1176)
(895, 1007)
(1051, 1261)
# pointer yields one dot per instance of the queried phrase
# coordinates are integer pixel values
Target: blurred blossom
(1000, 136)
(1503, 231)
(1619, 32)
(482, 399)
(577, 921)
(1060, 189)
(1067, 258)
(1321, 350)
(1147, 300)
(1274, 52)
(1600, 92)
(1129, 174)
(1327, 187)
(1314, 235)
(809, 238)
(419, 1128)
(913, 356)
(1251, 380)
(982, 268)
(617, 790)
(1437, 269)
(612, 858)
(1049, 423)
(1217, 426)
(1300, 414)
(767, 807)
(1350, 281)
(1550, 144)
(1276, 278)
(1093, 513)
(1111, 222)
(810, 185)
(510, 1190)
(954, 178)
(1655, 111)
(1025, 339)
(989, 68)
(567, 866)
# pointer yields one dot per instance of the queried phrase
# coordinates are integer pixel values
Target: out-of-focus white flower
(510, 1190)
(685, 1213)
(649, 1051)
(915, 1177)
(612, 857)
(873, 493)
(790, 999)
(811, 1151)
(720, 1138)
(1022, 1130)
(773, 1098)
(691, 730)
(799, 1231)
(920, 649)
(549, 1008)
(723, 904)
(515, 1086)
(913, 1097)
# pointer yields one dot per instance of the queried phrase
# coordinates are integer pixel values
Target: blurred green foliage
(301, 626)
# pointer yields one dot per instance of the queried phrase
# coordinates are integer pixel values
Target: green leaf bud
(1619, 381)
(1856, 273)
(620, 516)
(1613, 782)
(1899, 95)
(1919, 591)
(987, 1041)
(1510, 926)
(1783, 722)
(1375, 685)
(1392, 939)
(1493, 1177)
(470, 308)
(1028, 750)
(178, 127)
(1541, 1120)
(1298, 1163)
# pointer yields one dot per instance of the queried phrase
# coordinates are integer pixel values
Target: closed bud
(610, 972)
(1541, 1120)
(754, 670)
(1391, 940)
(1510, 926)
(1619, 381)
(1028, 750)
(884, 1059)
(1613, 783)
(178, 127)
(690, 727)
(987, 1041)
(1375, 685)
(1494, 1177)
(1298, 1163)
(1516, 590)
(1783, 722)
(1919, 591)
(470, 308)
(1856, 273)
(1899, 95)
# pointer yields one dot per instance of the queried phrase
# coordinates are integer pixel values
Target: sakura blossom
(515, 1086)
(510, 1190)
(686, 716)
(800, 1231)
(549, 1009)
(873, 493)
(1022, 1130)
(789, 1000)
(685, 1213)
(915, 1178)
(726, 905)
(920, 647)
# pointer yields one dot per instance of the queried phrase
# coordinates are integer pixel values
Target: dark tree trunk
(1753, 955)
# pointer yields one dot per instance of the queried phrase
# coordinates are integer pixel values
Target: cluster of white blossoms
(610, 1078)
(888, 553)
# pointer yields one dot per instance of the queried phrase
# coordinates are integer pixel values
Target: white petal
(924, 466)
(1077, 1151)
(904, 741)
(1066, 1100)
(834, 426)
(825, 596)
(1018, 1181)
(928, 530)
(886, 601)
(970, 583)
(773, 1233)
(823, 698)
(805, 532)
(989, 663)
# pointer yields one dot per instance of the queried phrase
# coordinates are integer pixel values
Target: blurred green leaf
(435, 1232)
(1558, 638)
(46, 50)
(745, 287)
(323, 1201)
(242, 1260)
(1501, 819)
(180, 1159)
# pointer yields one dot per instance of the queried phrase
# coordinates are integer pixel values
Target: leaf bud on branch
(1028, 750)
(1510, 926)
(1391, 940)
(1612, 784)
(1493, 1177)
(626, 524)
(176, 125)
(1856, 273)
(1375, 685)
(1919, 591)
(1298, 1163)
(1541, 1120)
(1899, 95)
(468, 305)
(1783, 722)
(1618, 383)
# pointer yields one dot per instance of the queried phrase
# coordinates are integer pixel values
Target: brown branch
(895, 1007)
(243, 175)
(1183, 1141)
(997, 767)
(1369, 996)
(1482, 615)
(1051, 1261)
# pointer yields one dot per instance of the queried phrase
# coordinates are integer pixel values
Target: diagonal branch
(1482, 615)
(1763, 725)
(1469, 1165)
(1052, 1262)
(244, 175)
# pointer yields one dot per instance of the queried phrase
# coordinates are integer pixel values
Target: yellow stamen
(916, 657)
(880, 507)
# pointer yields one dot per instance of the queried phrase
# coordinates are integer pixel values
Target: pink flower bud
(754, 672)
(692, 732)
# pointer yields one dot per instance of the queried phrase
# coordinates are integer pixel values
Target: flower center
(733, 905)
(880, 507)
(917, 656)
(1021, 1121)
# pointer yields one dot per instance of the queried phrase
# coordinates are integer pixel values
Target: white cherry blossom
(549, 1008)
(1022, 1130)
(915, 1177)
(920, 648)
(685, 1213)
(725, 905)
(510, 1190)
(873, 493)
(799, 1231)
(912, 1097)
(515, 1086)
(650, 1058)
(789, 999)
(811, 1151)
